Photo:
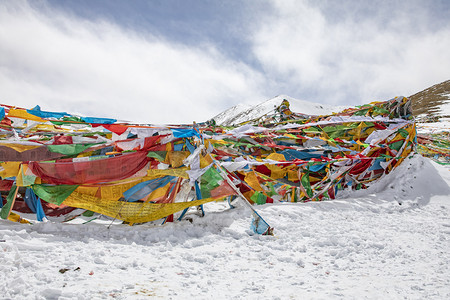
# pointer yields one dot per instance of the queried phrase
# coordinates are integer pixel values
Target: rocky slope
(432, 103)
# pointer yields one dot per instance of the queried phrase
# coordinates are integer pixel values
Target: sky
(179, 61)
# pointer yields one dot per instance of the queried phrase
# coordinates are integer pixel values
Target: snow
(445, 107)
(434, 127)
(387, 242)
(235, 110)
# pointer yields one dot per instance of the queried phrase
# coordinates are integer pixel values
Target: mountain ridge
(242, 113)
(431, 103)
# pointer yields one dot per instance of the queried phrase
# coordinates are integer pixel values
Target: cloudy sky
(174, 61)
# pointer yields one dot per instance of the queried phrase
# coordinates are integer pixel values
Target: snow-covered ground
(388, 242)
(434, 127)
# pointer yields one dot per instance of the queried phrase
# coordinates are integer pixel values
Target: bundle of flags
(54, 162)
(435, 146)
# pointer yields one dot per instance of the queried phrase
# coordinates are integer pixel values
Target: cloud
(335, 52)
(360, 54)
(96, 68)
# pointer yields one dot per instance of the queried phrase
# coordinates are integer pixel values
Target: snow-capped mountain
(242, 113)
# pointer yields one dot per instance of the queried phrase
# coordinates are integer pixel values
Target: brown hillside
(428, 101)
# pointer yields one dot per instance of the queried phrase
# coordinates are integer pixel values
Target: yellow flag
(21, 113)
(132, 212)
(9, 169)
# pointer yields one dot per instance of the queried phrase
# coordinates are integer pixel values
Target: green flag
(9, 202)
(55, 194)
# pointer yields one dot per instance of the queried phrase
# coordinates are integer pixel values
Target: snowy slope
(444, 113)
(366, 246)
(224, 117)
(440, 125)
(241, 113)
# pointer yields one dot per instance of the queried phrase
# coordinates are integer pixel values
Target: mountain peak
(243, 113)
